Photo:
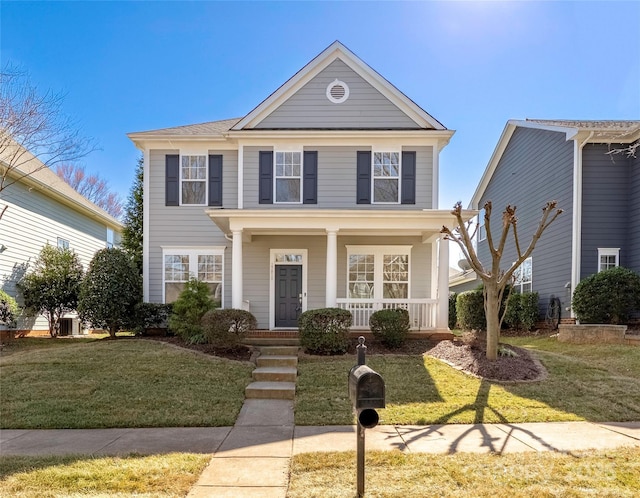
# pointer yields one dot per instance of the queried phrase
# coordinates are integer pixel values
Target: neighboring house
(323, 195)
(42, 209)
(569, 161)
(463, 278)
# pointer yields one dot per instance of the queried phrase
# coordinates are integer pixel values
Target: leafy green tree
(109, 291)
(8, 309)
(52, 288)
(132, 232)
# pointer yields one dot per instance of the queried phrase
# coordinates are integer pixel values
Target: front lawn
(117, 383)
(596, 383)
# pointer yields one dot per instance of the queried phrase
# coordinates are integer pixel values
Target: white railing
(422, 312)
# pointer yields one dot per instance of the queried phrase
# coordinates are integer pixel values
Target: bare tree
(33, 125)
(494, 278)
(92, 187)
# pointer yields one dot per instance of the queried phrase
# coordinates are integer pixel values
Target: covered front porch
(359, 260)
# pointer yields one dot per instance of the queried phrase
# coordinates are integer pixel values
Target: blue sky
(133, 66)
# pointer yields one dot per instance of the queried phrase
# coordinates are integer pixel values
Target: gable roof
(38, 176)
(594, 131)
(338, 51)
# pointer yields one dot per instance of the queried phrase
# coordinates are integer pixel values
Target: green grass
(170, 475)
(596, 383)
(121, 383)
(611, 473)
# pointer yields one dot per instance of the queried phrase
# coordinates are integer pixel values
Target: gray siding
(536, 167)
(337, 180)
(310, 108)
(605, 201)
(633, 259)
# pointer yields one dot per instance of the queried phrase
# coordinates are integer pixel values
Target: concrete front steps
(275, 375)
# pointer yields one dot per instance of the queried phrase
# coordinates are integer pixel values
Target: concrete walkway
(251, 459)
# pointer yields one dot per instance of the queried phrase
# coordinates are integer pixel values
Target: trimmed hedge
(151, 316)
(390, 326)
(227, 327)
(522, 310)
(453, 317)
(609, 297)
(470, 310)
(8, 309)
(325, 330)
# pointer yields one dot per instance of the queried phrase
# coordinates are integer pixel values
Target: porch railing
(422, 312)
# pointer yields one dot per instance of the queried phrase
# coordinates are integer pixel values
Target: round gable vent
(337, 91)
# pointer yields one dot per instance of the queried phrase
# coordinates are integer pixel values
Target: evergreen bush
(186, 316)
(470, 310)
(8, 310)
(522, 310)
(453, 317)
(227, 327)
(390, 326)
(325, 330)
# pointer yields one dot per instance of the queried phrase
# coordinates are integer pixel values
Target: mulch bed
(238, 353)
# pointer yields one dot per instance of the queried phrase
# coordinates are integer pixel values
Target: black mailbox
(366, 388)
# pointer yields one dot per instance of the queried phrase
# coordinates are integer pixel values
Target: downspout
(576, 236)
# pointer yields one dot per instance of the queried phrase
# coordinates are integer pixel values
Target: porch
(422, 312)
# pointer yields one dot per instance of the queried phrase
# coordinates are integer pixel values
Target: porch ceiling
(423, 223)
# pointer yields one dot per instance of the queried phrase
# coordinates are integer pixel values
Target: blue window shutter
(408, 178)
(310, 178)
(363, 195)
(172, 180)
(215, 180)
(265, 188)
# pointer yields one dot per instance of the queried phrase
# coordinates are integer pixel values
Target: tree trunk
(492, 313)
(112, 332)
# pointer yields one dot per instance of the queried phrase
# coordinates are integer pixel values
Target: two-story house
(324, 195)
(39, 208)
(572, 162)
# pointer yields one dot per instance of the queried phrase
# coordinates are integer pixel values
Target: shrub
(522, 310)
(610, 296)
(186, 316)
(151, 315)
(470, 310)
(227, 327)
(325, 330)
(390, 326)
(453, 318)
(8, 309)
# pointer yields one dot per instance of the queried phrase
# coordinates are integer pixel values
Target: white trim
(206, 178)
(435, 177)
(146, 202)
(442, 295)
(335, 83)
(608, 251)
(378, 150)
(378, 252)
(276, 178)
(331, 278)
(193, 252)
(272, 282)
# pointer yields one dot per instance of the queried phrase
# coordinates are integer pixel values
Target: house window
(63, 243)
(110, 238)
(204, 264)
(608, 257)
(523, 277)
(378, 272)
(288, 179)
(193, 180)
(386, 177)
(482, 234)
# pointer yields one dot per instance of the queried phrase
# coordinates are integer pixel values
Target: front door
(288, 293)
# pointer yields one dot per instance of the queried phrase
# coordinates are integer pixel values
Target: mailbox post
(367, 392)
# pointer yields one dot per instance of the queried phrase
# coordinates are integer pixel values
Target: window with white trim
(482, 233)
(62, 243)
(608, 257)
(182, 264)
(288, 177)
(386, 177)
(378, 272)
(110, 238)
(523, 277)
(193, 180)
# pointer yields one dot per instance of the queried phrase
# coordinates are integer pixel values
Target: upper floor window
(386, 177)
(523, 277)
(193, 180)
(63, 243)
(288, 177)
(482, 233)
(608, 257)
(110, 238)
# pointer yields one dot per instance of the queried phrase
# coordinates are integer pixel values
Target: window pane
(172, 290)
(210, 268)
(385, 190)
(361, 275)
(396, 268)
(215, 291)
(395, 290)
(176, 268)
(193, 192)
(288, 190)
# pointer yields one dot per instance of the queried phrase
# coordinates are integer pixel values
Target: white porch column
(442, 314)
(331, 292)
(236, 270)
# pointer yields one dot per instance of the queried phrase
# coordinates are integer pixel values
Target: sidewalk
(252, 457)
